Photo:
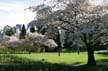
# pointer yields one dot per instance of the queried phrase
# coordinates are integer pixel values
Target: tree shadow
(28, 65)
(37, 66)
(102, 62)
(45, 66)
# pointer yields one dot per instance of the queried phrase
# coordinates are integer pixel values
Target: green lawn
(51, 62)
(65, 58)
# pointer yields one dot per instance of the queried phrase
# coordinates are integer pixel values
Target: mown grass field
(65, 58)
(53, 62)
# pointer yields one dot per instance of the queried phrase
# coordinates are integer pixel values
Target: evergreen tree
(10, 32)
(32, 30)
(23, 32)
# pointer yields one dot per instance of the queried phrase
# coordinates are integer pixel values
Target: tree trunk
(91, 59)
(59, 51)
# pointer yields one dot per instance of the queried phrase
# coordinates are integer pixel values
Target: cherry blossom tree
(36, 38)
(85, 22)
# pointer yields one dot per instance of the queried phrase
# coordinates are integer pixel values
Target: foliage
(23, 32)
(40, 40)
(10, 32)
(85, 23)
(32, 30)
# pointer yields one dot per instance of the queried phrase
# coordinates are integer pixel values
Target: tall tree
(86, 26)
(23, 32)
(32, 30)
(84, 22)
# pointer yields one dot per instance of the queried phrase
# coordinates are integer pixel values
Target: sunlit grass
(65, 58)
(51, 62)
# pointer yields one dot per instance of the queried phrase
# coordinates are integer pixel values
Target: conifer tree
(23, 32)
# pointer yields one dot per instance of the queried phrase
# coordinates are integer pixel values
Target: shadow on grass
(19, 64)
(102, 62)
(44, 66)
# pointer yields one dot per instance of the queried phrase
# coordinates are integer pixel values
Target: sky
(96, 2)
(12, 12)
(99, 2)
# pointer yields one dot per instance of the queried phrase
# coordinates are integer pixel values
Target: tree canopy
(83, 21)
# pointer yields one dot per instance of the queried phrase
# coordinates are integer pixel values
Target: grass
(53, 62)
(65, 58)
(10, 59)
